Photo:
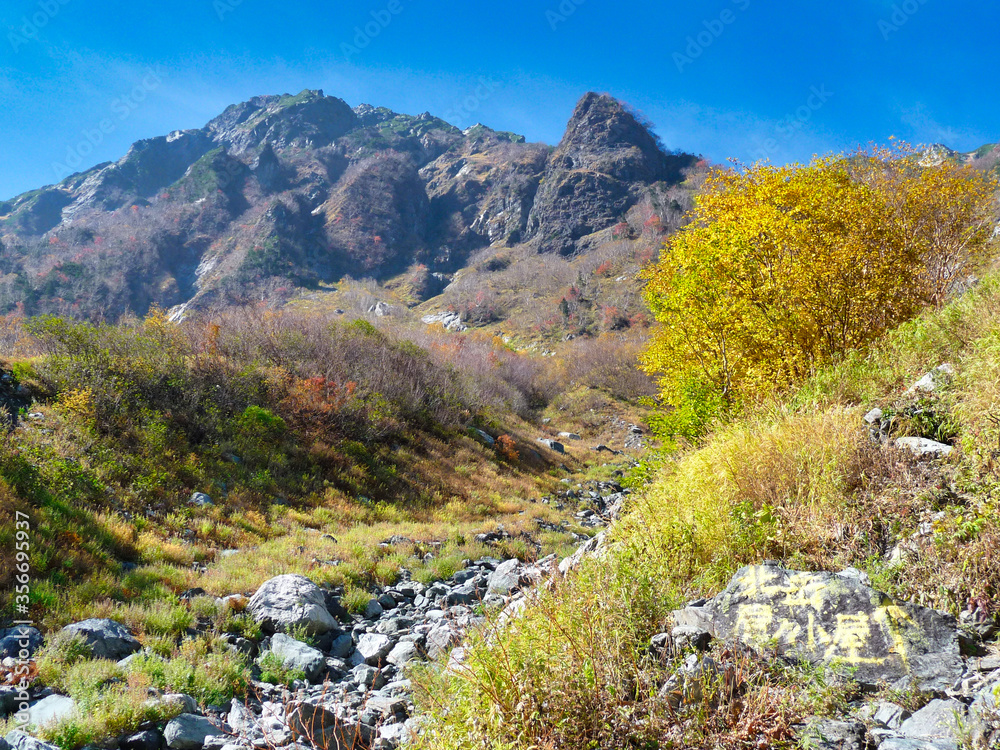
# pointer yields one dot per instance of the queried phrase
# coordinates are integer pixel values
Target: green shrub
(274, 671)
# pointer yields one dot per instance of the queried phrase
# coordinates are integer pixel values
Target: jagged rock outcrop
(308, 120)
(598, 171)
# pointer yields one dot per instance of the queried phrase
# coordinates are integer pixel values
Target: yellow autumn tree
(785, 267)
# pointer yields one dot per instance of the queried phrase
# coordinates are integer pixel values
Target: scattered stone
(824, 734)
(934, 380)
(890, 715)
(297, 655)
(570, 436)
(188, 732)
(200, 499)
(20, 643)
(107, 639)
(403, 653)
(316, 726)
(923, 447)
(940, 720)
(374, 647)
(874, 417)
(147, 740)
(291, 601)
(553, 445)
(485, 437)
(685, 637)
(19, 740)
(452, 321)
(50, 710)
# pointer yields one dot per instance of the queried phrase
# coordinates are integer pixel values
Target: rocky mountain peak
(605, 161)
(309, 119)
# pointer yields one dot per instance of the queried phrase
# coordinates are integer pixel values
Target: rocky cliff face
(285, 191)
(605, 162)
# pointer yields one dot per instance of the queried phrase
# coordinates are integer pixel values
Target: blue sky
(726, 78)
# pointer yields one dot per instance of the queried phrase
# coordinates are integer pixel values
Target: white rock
(291, 601)
(50, 710)
(923, 447)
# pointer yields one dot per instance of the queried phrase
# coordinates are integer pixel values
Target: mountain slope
(285, 193)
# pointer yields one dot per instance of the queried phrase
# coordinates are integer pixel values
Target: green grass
(797, 480)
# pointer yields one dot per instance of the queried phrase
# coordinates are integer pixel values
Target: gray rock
(107, 639)
(923, 447)
(298, 655)
(403, 653)
(440, 639)
(834, 735)
(940, 720)
(553, 445)
(874, 417)
(374, 647)
(316, 726)
(837, 621)
(342, 646)
(570, 436)
(200, 499)
(373, 610)
(241, 719)
(50, 710)
(904, 743)
(188, 732)
(291, 601)
(20, 642)
(934, 380)
(890, 715)
(394, 735)
(367, 677)
(485, 437)
(506, 578)
(686, 637)
(148, 740)
(19, 740)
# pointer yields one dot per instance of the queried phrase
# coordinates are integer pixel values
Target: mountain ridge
(285, 192)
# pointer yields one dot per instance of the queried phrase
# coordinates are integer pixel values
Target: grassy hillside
(295, 427)
(799, 479)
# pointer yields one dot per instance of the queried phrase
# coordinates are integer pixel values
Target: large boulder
(837, 621)
(107, 639)
(291, 601)
(298, 655)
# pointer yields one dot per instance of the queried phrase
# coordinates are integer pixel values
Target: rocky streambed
(354, 690)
